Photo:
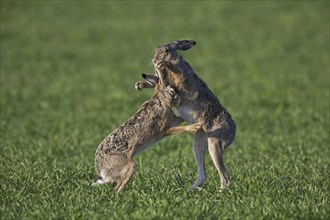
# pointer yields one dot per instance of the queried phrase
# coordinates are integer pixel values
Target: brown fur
(199, 105)
(153, 121)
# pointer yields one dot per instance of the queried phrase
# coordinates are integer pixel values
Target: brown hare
(199, 105)
(153, 121)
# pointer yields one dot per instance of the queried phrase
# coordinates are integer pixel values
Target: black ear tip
(143, 75)
(191, 42)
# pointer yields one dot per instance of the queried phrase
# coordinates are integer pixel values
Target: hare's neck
(163, 99)
(157, 90)
(183, 66)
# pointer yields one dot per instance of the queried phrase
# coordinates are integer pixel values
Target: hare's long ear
(184, 44)
(151, 79)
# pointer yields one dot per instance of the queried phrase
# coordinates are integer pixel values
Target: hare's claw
(225, 186)
(138, 85)
(160, 64)
(195, 127)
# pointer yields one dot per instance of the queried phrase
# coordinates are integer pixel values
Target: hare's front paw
(195, 127)
(138, 85)
(160, 65)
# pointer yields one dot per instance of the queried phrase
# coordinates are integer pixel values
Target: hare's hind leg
(216, 151)
(127, 174)
(200, 146)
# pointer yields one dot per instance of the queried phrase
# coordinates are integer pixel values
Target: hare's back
(146, 122)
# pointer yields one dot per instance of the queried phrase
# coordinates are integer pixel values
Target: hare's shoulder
(148, 114)
(150, 105)
(149, 110)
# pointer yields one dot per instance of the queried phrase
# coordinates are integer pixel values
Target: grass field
(67, 79)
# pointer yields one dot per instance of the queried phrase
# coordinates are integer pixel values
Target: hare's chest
(174, 79)
(187, 114)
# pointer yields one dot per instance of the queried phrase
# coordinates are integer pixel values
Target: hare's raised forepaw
(195, 127)
(160, 64)
(139, 85)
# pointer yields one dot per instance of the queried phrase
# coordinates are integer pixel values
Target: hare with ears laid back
(199, 105)
(153, 121)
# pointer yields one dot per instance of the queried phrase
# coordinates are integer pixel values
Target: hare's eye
(165, 51)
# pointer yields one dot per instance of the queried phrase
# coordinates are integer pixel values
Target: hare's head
(168, 52)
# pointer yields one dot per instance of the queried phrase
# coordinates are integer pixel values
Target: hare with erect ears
(153, 121)
(199, 105)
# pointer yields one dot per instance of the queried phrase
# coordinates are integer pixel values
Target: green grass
(67, 79)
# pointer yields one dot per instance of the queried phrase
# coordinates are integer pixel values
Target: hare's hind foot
(101, 181)
(199, 181)
(225, 186)
(193, 189)
(127, 176)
